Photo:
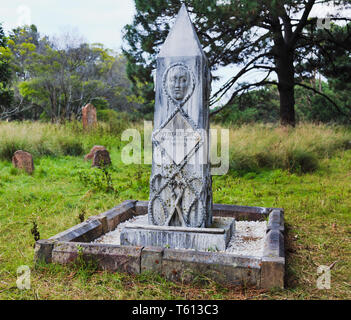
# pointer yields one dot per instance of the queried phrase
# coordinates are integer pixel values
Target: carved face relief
(178, 83)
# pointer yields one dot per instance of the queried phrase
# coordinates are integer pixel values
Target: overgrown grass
(299, 149)
(64, 190)
(45, 139)
(253, 147)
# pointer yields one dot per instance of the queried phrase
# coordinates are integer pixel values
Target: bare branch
(323, 95)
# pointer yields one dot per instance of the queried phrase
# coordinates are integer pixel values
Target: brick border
(176, 265)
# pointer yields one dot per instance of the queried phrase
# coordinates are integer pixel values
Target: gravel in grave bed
(248, 238)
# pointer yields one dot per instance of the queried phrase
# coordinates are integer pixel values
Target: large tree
(275, 37)
(6, 94)
(54, 78)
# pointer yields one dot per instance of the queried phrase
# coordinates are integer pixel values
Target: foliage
(6, 94)
(254, 106)
(260, 36)
(54, 78)
(299, 150)
(317, 219)
(99, 179)
(262, 105)
(43, 139)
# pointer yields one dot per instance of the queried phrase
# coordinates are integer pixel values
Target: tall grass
(252, 147)
(46, 139)
(299, 149)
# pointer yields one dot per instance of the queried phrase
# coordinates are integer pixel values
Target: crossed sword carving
(177, 209)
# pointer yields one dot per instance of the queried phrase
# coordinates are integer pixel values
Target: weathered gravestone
(23, 160)
(90, 155)
(89, 118)
(180, 206)
(101, 158)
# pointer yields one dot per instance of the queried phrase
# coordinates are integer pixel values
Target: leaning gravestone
(101, 158)
(90, 155)
(180, 205)
(89, 118)
(23, 160)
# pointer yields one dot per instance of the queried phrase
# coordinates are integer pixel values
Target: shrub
(70, 147)
(257, 146)
(301, 161)
(9, 147)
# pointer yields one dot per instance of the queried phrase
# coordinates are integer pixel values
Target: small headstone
(23, 160)
(101, 158)
(90, 155)
(89, 116)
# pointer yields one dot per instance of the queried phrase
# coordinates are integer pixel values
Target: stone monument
(89, 118)
(180, 205)
(23, 160)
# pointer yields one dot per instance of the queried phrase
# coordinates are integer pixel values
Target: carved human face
(178, 82)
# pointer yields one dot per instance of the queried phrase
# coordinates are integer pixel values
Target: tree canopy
(55, 78)
(277, 38)
(6, 95)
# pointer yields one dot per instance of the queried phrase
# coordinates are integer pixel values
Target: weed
(34, 231)
(81, 216)
(99, 178)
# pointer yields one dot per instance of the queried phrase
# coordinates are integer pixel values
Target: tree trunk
(286, 72)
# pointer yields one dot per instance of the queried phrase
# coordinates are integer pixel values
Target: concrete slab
(204, 239)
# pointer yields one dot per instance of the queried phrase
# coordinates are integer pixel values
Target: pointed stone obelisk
(180, 205)
(180, 184)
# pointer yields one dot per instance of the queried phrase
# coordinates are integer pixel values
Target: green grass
(317, 213)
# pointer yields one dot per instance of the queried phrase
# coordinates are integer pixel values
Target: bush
(9, 147)
(301, 161)
(70, 147)
(257, 146)
(116, 122)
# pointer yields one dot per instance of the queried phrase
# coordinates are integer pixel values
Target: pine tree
(269, 36)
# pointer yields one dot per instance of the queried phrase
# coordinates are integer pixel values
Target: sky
(97, 21)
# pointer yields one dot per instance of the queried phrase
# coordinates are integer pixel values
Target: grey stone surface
(240, 212)
(141, 207)
(206, 239)
(183, 265)
(180, 184)
(107, 257)
(84, 232)
(273, 244)
(276, 220)
(273, 260)
(43, 251)
(272, 272)
(103, 220)
(118, 214)
(224, 210)
(174, 264)
(151, 259)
